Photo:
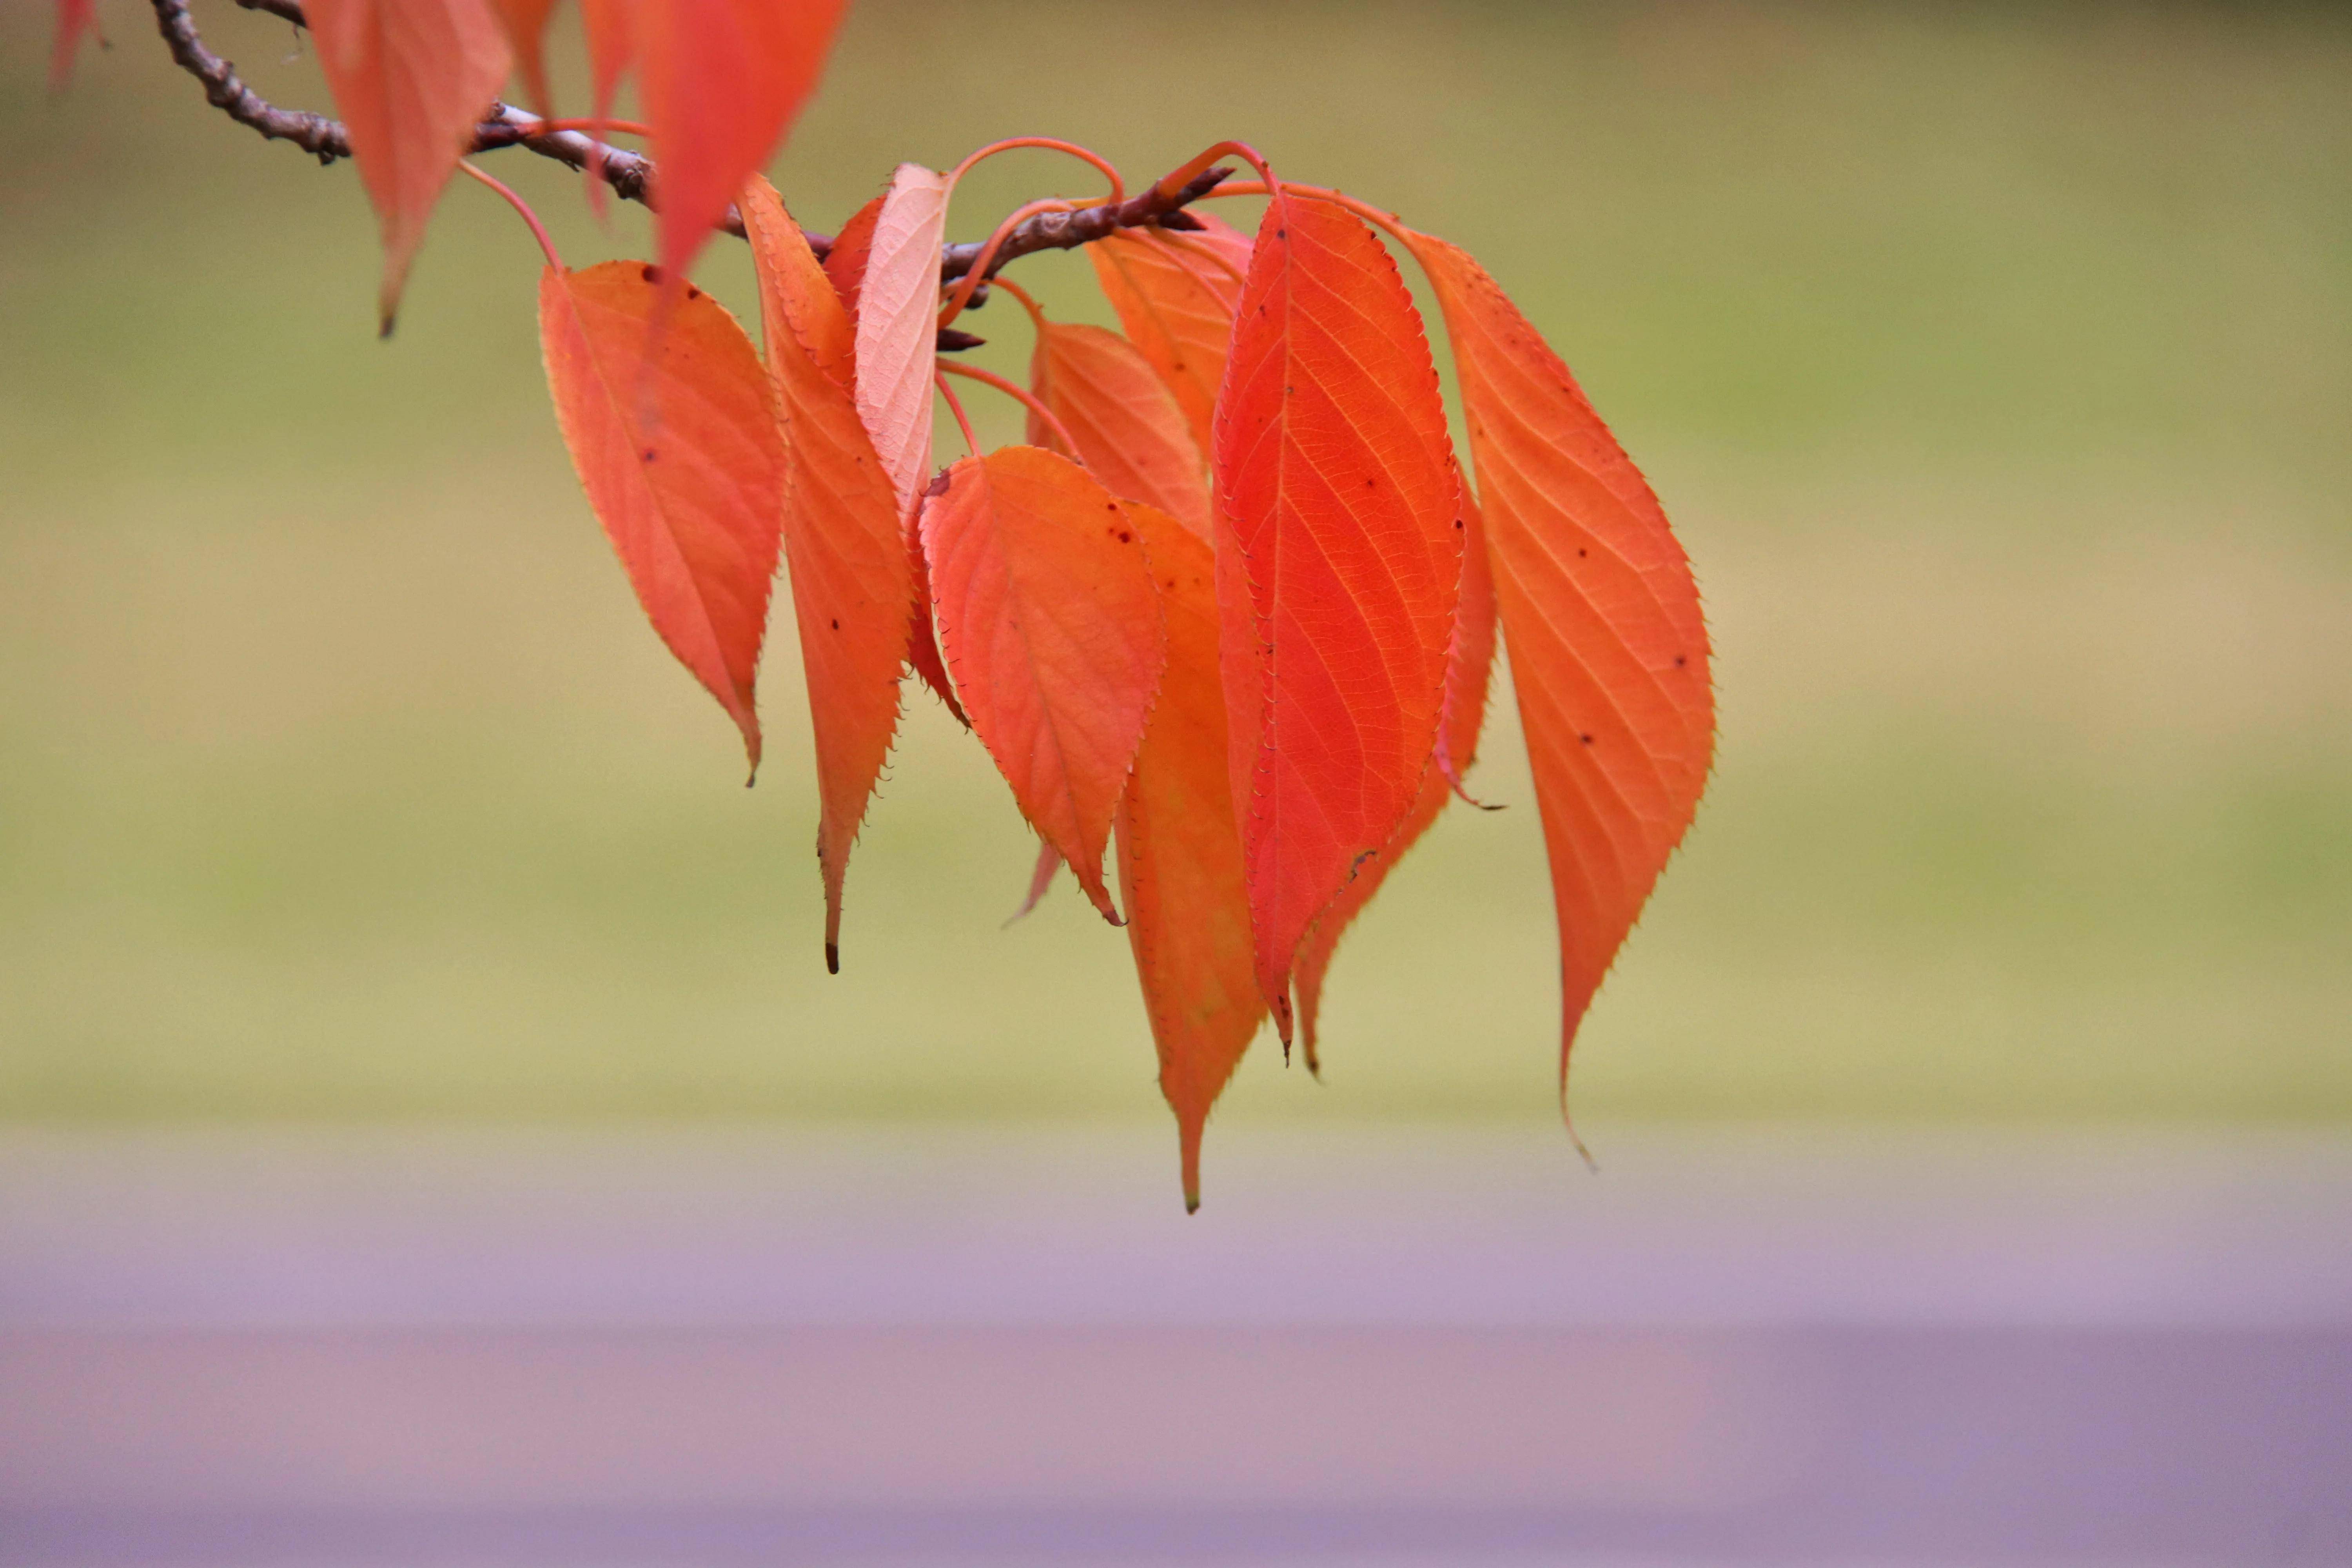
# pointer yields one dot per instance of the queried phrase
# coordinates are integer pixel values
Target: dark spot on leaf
(836, 626)
(1586, 739)
(1125, 537)
(1581, 552)
(651, 274)
(1681, 660)
(650, 454)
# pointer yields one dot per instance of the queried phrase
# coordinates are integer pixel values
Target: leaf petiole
(1029, 399)
(538, 229)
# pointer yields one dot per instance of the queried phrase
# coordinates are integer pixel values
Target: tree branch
(630, 174)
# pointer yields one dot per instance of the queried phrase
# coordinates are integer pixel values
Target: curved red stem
(1015, 390)
(538, 229)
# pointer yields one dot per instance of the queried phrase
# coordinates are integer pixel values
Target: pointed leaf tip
(722, 82)
(1609, 648)
(1050, 624)
(410, 80)
(852, 579)
(1180, 875)
(75, 20)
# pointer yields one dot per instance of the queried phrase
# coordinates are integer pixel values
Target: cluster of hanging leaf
(1225, 623)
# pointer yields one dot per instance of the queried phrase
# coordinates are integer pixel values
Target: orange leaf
(898, 326)
(722, 82)
(76, 19)
(1175, 293)
(411, 78)
(1051, 624)
(1469, 668)
(612, 46)
(1609, 650)
(896, 313)
(525, 24)
(692, 504)
(852, 591)
(1339, 562)
(1180, 854)
(846, 262)
(1125, 422)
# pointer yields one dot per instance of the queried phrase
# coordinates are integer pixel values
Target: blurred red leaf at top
(1338, 562)
(1051, 626)
(693, 502)
(75, 20)
(525, 21)
(410, 80)
(721, 81)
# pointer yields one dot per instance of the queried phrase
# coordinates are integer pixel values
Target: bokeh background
(1995, 362)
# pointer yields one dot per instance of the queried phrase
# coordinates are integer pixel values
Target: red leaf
(693, 504)
(852, 591)
(76, 19)
(1041, 879)
(846, 262)
(1338, 560)
(721, 81)
(897, 353)
(1180, 854)
(1469, 668)
(1129, 429)
(1175, 294)
(525, 23)
(1050, 621)
(411, 78)
(1609, 650)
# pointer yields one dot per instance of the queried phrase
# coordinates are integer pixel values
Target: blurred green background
(1995, 361)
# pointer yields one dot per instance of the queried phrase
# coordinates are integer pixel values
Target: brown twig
(630, 174)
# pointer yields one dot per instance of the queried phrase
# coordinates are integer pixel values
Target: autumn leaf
(721, 81)
(77, 19)
(410, 80)
(1041, 880)
(852, 589)
(692, 503)
(898, 326)
(846, 262)
(1469, 669)
(1338, 560)
(1175, 293)
(1050, 623)
(1600, 615)
(1180, 854)
(1127, 426)
(524, 23)
(896, 313)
